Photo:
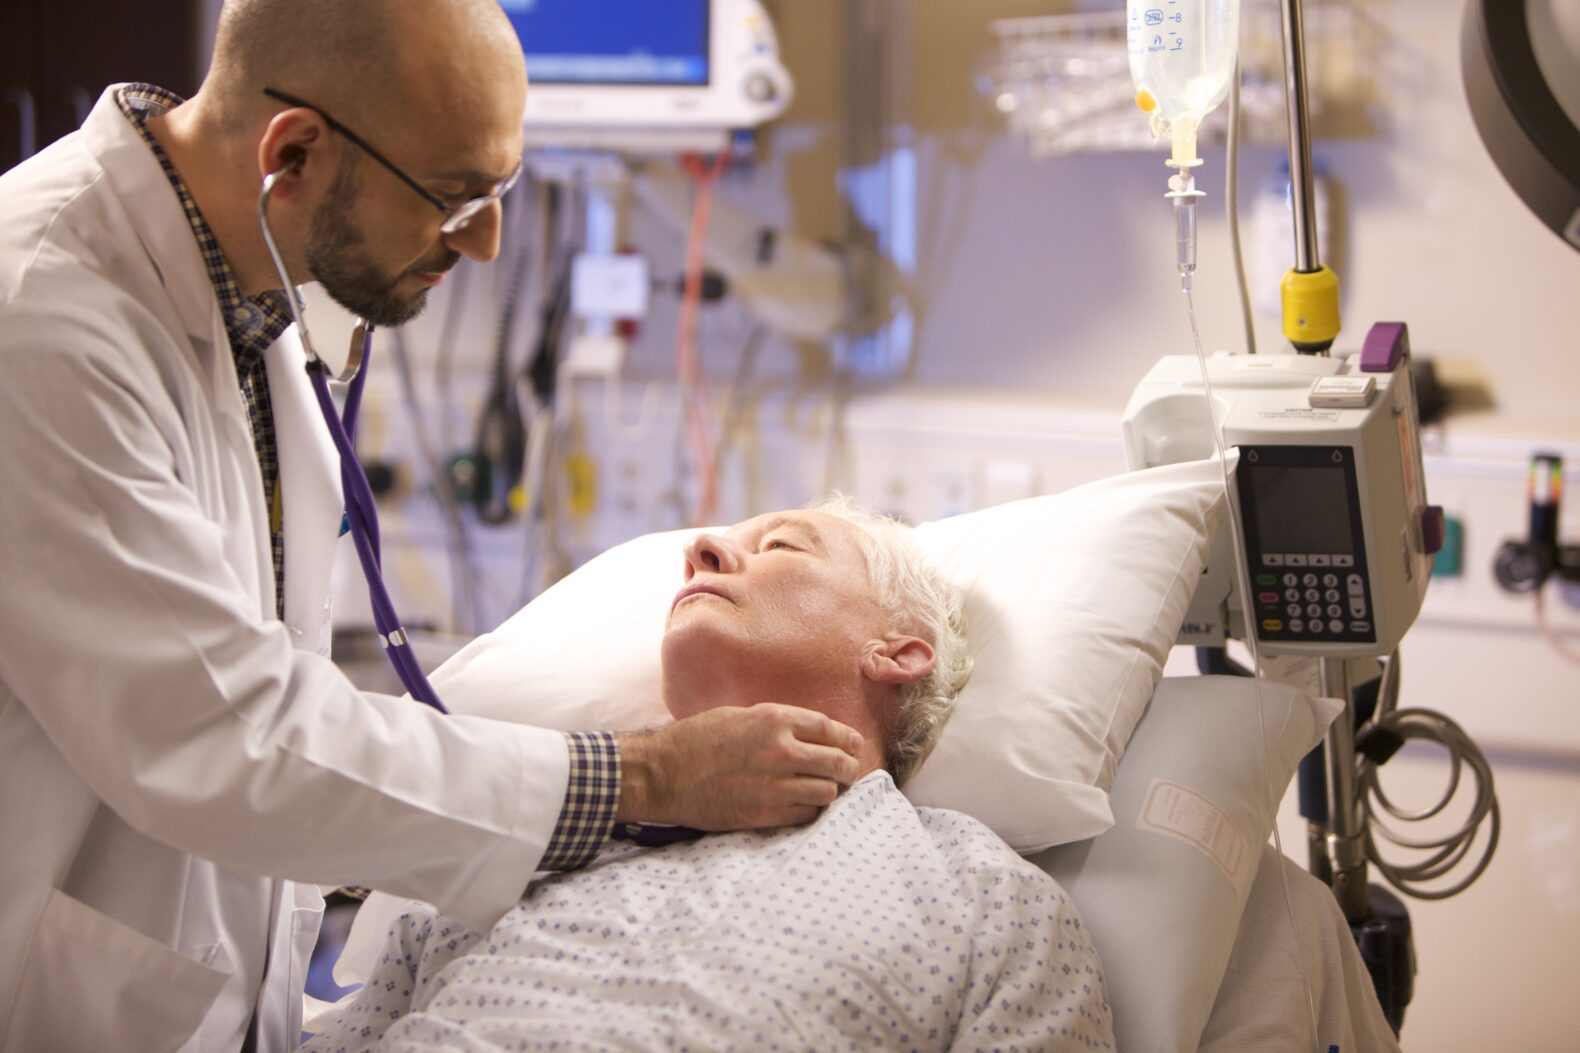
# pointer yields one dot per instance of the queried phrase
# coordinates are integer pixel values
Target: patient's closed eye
(778, 542)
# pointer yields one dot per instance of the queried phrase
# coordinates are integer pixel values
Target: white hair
(921, 603)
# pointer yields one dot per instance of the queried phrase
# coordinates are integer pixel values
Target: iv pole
(1311, 322)
(1310, 291)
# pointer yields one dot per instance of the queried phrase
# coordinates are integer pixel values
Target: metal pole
(1346, 850)
(1307, 260)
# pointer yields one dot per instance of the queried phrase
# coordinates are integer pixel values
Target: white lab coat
(169, 751)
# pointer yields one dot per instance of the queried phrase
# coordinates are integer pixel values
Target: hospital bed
(1148, 799)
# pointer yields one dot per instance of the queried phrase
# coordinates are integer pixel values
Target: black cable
(1215, 661)
(542, 369)
(501, 438)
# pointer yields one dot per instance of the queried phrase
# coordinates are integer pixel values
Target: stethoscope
(361, 515)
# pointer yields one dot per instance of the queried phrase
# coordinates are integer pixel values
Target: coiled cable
(1434, 857)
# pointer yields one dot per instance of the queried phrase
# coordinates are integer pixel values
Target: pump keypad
(1312, 596)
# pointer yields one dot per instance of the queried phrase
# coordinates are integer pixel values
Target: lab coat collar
(155, 213)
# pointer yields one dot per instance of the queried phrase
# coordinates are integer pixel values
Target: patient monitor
(641, 77)
(1330, 495)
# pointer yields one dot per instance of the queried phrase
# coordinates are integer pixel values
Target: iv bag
(1182, 54)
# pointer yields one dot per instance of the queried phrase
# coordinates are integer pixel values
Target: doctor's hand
(736, 768)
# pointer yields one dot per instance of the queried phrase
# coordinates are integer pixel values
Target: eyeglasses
(456, 217)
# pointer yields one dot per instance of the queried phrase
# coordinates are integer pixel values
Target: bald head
(384, 67)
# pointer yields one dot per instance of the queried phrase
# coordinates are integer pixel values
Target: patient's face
(782, 601)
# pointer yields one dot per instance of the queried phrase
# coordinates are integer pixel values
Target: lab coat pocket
(90, 982)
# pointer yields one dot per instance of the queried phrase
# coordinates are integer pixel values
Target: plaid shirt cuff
(591, 796)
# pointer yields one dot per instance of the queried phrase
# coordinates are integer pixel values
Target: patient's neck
(845, 696)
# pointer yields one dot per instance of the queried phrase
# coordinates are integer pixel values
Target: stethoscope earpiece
(358, 343)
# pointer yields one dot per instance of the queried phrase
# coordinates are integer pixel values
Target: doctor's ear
(897, 660)
(288, 146)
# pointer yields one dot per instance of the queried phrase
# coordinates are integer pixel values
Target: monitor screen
(625, 42)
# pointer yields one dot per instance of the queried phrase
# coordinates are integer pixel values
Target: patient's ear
(897, 660)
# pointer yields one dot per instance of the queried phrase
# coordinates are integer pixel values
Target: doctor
(176, 750)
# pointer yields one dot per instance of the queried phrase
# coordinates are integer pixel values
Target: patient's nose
(711, 553)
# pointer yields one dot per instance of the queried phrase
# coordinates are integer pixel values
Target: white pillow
(1072, 602)
(1163, 891)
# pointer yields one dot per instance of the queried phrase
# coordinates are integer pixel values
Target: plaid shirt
(253, 324)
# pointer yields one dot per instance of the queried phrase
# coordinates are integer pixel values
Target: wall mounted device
(1526, 565)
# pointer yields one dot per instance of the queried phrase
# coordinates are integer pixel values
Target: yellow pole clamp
(1311, 309)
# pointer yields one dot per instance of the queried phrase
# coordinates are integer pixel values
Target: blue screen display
(613, 41)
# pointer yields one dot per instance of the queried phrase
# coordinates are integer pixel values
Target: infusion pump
(1328, 491)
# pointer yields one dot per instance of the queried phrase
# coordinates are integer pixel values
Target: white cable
(1243, 573)
(1232, 195)
(614, 421)
(740, 389)
(539, 512)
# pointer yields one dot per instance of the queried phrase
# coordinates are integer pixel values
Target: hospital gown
(879, 926)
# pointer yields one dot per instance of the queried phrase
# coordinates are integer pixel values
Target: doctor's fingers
(808, 725)
(792, 802)
(804, 792)
(820, 762)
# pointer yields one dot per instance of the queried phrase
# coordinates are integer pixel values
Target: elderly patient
(877, 926)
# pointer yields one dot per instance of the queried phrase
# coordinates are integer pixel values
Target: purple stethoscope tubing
(362, 518)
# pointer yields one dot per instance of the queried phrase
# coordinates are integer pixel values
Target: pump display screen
(624, 42)
(1304, 509)
(1305, 542)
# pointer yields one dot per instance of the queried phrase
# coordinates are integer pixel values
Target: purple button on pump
(1434, 529)
(1387, 344)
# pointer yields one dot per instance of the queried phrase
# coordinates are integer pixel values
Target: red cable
(688, 362)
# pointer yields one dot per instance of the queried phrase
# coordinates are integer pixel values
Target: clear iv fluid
(1182, 54)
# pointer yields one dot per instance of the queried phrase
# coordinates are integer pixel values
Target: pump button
(1433, 529)
(1353, 392)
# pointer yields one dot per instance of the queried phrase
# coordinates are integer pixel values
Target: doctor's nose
(479, 239)
(711, 553)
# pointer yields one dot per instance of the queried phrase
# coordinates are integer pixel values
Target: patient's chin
(704, 666)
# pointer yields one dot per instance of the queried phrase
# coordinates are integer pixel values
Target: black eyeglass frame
(456, 217)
